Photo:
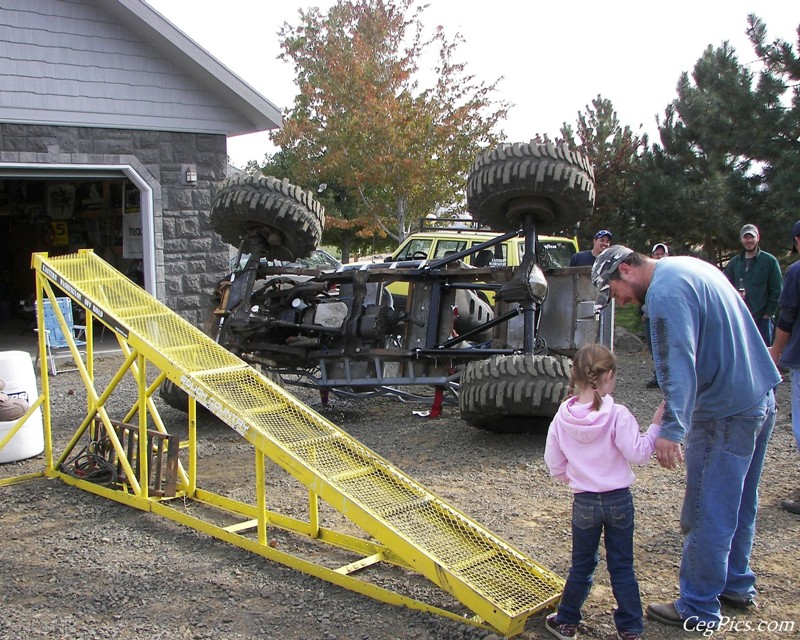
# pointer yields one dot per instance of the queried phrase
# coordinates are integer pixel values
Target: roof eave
(197, 62)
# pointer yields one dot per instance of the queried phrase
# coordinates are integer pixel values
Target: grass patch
(629, 318)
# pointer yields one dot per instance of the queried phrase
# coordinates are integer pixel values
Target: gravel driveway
(77, 566)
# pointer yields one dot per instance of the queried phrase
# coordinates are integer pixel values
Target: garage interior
(60, 215)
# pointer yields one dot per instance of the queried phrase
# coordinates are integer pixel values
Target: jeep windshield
(559, 252)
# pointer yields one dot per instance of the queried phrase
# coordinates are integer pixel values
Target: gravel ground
(77, 566)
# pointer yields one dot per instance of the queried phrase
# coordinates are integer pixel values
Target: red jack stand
(438, 399)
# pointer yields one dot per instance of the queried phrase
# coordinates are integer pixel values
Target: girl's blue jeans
(609, 513)
(724, 459)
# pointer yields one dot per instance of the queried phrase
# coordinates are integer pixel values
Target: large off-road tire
(511, 180)
(173, 395)
(287, 217)
(513, 394)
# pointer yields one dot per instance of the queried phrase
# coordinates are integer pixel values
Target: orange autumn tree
(385, 149)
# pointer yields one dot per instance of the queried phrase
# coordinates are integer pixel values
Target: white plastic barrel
(16, 370)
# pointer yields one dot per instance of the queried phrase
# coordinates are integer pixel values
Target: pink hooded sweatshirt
(593, 450)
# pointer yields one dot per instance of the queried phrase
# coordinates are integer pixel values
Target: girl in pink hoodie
(591, 444)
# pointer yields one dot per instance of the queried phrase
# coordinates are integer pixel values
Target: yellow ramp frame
(407, 525)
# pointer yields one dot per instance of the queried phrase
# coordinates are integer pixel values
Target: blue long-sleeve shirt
(789, 318)
(710, 359)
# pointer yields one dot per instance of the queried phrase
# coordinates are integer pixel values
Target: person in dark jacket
(756, 274)
(600, 242)
(786, 349)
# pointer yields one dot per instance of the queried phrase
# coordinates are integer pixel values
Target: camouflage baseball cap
(604, 266)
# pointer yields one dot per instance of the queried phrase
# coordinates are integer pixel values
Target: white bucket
(16, 370)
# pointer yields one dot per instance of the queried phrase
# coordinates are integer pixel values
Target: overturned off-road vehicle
(506, 364)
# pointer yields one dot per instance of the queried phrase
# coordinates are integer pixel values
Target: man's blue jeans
(610, 513)
(766, 328)
(724, 459)
(795, 375)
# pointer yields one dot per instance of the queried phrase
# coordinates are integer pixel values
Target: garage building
(113, 131)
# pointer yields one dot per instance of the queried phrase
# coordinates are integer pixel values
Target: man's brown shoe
(666, 613)
(737, 601)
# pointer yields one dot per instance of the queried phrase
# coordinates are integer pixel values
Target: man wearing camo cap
(715, 371)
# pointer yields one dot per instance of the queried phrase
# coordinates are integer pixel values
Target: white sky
(554, 56)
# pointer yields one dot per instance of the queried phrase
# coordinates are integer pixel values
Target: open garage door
(61, 209)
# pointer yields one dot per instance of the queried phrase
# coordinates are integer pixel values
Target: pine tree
(614, 151)
(727, 154)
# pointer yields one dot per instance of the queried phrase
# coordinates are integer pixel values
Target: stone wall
(190, 258)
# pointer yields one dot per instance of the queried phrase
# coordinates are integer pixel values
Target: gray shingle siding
(73, 63)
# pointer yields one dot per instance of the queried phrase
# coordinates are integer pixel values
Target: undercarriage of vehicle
(497, 341)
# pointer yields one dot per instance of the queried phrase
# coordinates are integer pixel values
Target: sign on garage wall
(59, 232)
(132, 235)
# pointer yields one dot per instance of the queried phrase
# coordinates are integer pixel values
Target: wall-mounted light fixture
(189, 174)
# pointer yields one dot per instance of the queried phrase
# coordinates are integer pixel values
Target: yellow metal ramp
(415, 529)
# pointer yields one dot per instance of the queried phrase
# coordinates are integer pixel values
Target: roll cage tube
(441, 262)
(530, 318)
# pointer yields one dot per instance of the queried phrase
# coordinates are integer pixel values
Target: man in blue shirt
(717, 378)
(786, 349)
(586, 258)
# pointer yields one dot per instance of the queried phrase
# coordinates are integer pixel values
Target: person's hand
(659, 414)
(774, 354)
(668, 453)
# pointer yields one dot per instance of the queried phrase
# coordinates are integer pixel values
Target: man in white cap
(660, 250)
(756, 274)
(719, 415)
